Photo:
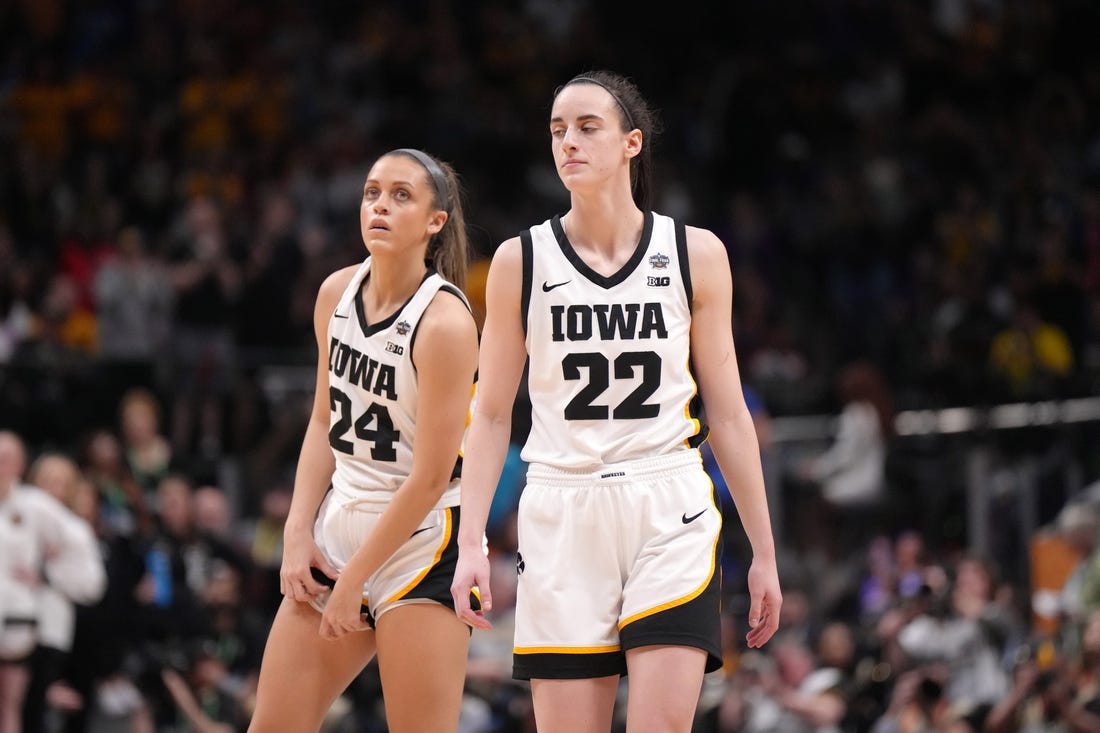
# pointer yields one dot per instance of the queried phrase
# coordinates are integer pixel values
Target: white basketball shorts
(613, 559)
(420, 571)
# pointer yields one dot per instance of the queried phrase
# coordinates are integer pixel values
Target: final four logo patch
(658, 261)
(403, 328)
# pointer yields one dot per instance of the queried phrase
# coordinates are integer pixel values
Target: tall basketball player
(625, 315)
(371, 541)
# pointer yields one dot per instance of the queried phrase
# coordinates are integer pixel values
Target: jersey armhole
(450, 289)
(685, 266)
(527, 250)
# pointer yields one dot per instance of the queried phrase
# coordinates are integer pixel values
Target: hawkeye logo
(659, 261)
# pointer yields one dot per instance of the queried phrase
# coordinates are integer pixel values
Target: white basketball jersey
(610, 364)
(373, 392)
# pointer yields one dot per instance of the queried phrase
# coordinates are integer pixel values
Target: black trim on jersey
(549, 666)
(369, 330)
(450, 288)
(685, 266)
(527, 250)
(580, 266)
(446, 287)
(695, 411)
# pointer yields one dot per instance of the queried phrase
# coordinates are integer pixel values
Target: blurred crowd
(913, 186)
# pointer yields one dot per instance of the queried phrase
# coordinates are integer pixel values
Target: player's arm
(732, 436)
(316, 462)
(503, 354)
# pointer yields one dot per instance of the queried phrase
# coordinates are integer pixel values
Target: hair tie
(439, 180)
(590, 80)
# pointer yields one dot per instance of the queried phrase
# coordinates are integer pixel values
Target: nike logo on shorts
(688, 520)
(547, 287)
(422, 529)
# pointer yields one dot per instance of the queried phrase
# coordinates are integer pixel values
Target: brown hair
(448, 248)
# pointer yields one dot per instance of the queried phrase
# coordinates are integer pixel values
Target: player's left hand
(765, 601)
(343, 612)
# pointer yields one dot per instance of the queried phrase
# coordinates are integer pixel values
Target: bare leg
(302, 674)
(422, 662)
(664, 684)
(575, 706)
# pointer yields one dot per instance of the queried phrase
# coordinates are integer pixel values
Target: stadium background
(913, 186)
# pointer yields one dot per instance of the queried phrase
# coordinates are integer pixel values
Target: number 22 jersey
(610, 363)
(373, 391)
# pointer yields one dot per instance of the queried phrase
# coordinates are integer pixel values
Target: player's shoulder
(705, 250)
(332, 289)
(337, 282)
(703, 240)
(448, 308)
(509, 248)
(508, 259)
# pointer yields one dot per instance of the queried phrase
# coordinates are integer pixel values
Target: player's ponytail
(448, 249)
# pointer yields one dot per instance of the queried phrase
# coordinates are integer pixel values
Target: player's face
(398, 209)
(587, 138)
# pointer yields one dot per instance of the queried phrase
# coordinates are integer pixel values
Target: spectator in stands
(205, 273)
(41, 541)
(851, 474)
(124, 506)
(1031, 357)
(133, 300)
(58, 476)
(965, 630)
(148, 453)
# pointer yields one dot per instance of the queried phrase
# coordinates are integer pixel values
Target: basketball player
(398, 355)
(625, 315)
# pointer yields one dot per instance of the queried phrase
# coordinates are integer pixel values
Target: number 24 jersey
(373, 391)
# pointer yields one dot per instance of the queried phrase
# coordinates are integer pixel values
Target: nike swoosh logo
(337, 315)
(688, 520)
(422, 529)
(547, 287)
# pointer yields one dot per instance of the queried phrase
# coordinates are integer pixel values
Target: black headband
(590, 80)
(439, 180)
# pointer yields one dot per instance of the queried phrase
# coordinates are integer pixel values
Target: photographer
(965, 630)
(1043, 700)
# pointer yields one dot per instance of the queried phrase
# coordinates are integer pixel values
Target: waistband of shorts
(653, 467)
(376, 501)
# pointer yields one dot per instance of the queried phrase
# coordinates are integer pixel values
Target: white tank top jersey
(373, 392)
(610, 363)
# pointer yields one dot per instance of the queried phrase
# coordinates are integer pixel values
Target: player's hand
(765, 602)
(343, 612)
(296, 581)
(472, 571)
